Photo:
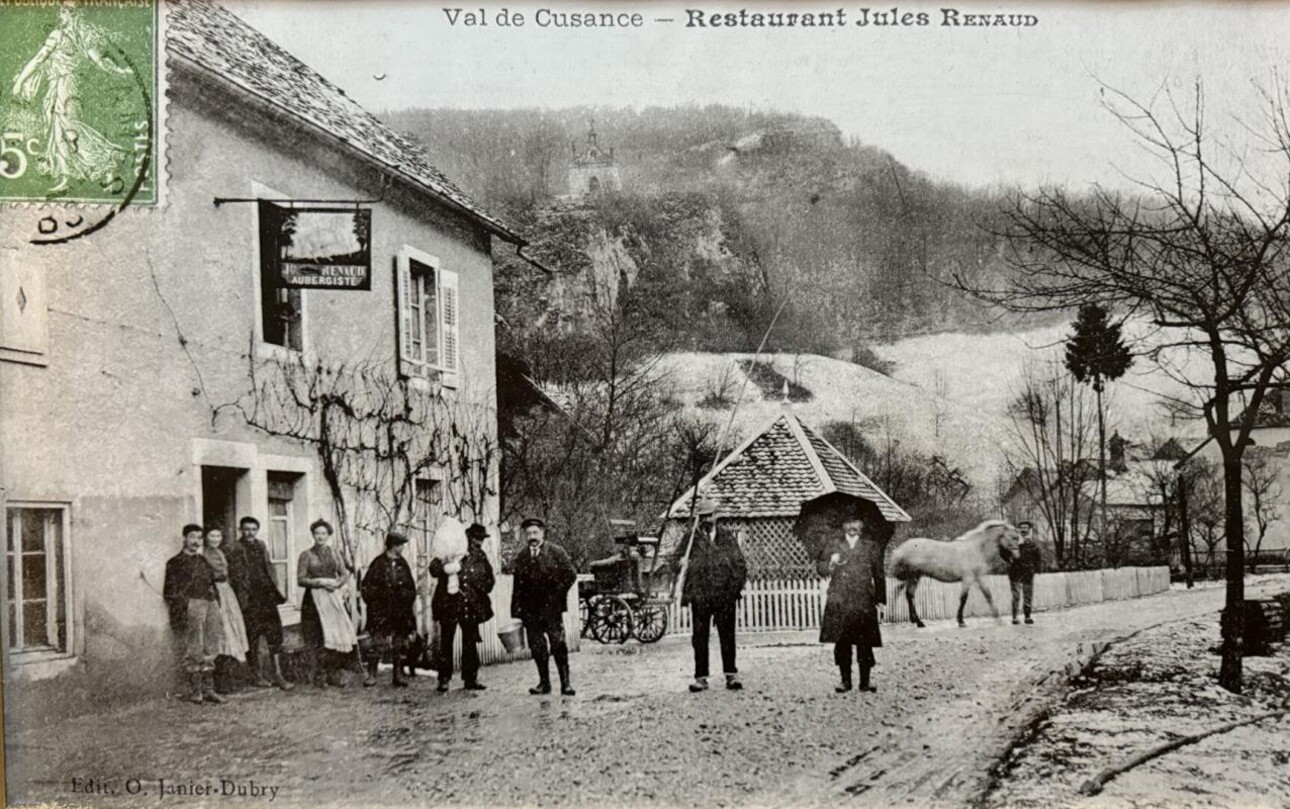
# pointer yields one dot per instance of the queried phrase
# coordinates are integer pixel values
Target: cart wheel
(611, 620)
(584, 617)
(651, 622)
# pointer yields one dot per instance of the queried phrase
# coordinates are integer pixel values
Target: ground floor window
(282, 492)
(36, 557)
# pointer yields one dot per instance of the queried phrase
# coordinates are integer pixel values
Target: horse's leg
(989, 599)
(910, 587)
(963, 597)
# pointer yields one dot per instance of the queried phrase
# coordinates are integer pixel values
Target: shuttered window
(429, 323)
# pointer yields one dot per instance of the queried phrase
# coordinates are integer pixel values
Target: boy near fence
(1022, 568)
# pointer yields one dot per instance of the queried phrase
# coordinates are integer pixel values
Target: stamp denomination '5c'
(79, 96)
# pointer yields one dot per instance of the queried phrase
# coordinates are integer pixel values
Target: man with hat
(468, 607)
(193, 605)
(251, 575)
(1022, 567)
(543, 576)
(389, 592)
(714, 581)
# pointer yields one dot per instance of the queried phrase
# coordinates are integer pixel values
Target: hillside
(998, 361)
(742, 209)
(881, 407)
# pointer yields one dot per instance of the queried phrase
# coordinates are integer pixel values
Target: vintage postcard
(643, 404)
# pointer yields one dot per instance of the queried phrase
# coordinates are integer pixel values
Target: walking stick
(679, 584)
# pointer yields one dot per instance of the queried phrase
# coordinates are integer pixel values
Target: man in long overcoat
(857, 587)
(468, 608)
(543, 575)
(389, 591)
(250, 574)
(714, 581)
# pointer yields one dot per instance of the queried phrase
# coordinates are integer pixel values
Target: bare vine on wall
(376, 434)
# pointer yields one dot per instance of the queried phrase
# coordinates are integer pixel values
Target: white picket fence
(790, 604)
(491, 649)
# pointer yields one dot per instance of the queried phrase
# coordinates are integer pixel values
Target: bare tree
(1262, 483)
(1054, 429)
(1200, 250)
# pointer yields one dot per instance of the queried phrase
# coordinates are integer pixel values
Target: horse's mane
(980, 529)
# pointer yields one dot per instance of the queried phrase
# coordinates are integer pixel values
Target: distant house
(1270, 437)
(760, 487)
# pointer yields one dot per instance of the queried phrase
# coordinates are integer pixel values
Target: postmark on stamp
(79, 101)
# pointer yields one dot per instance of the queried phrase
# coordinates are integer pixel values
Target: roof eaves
(492, 226)
(865, 478)
(722, 464)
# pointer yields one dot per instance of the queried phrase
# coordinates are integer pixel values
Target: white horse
(964, 559)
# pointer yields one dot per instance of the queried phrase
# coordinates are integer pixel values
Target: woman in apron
(234, 644)
(325, 624)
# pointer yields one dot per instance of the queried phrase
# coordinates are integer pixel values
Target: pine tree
(1096, 354)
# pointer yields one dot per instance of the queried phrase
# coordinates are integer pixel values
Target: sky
(977, 106)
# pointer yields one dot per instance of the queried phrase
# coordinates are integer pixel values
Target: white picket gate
(791, 604)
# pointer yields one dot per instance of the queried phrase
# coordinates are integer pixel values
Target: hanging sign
(317, 248)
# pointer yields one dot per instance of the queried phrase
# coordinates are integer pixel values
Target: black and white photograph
(640, 404)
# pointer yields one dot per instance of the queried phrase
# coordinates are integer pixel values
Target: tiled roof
(780, 468)
(224, 48)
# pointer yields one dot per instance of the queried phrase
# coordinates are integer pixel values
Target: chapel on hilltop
(593, 170)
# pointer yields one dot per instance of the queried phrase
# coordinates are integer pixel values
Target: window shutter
(24, 330)
(450, 345)
(403, 294)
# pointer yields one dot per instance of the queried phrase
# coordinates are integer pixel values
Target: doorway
(219, 498)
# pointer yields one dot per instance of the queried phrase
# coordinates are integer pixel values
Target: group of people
(223, 599)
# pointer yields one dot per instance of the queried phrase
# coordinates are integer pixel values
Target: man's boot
(195, 687)
(562, 666)
(208, 689)
(864, 678)
(845, 671)
(255, 675)
(278, 679)
(544, 675)
(397, 680)
(370, 679)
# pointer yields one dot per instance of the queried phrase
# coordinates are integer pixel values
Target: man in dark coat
(543, 576)
(468, 608)
(251, 576)
(714, 581)
(193, 605)
(857, 590)
(1022, 568)
(389, 592)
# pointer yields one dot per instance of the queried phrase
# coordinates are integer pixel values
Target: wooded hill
(724, 212)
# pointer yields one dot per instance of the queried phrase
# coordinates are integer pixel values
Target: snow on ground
(984, 371)
(1148, 690)
(842, 391)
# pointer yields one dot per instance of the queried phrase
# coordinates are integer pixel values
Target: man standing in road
(857, 593)
(1022, 568)
(543, 576)
(714, 581)
(251, 575)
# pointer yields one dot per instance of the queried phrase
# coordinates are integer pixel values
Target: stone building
(126, 371)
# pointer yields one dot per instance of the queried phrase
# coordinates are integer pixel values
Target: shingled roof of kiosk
(779, 468)
(220, 46)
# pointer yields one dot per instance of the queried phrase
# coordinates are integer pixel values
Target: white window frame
(414, 363)
(51, 582)
(289, 584)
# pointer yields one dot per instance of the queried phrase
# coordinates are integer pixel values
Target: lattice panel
(771, 549)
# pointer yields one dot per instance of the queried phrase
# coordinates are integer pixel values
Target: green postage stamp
(79, 101)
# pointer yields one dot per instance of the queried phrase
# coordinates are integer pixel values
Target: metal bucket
(512, 636)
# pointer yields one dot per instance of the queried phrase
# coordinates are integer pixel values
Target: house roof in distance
(782, 466)
(224, 48)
